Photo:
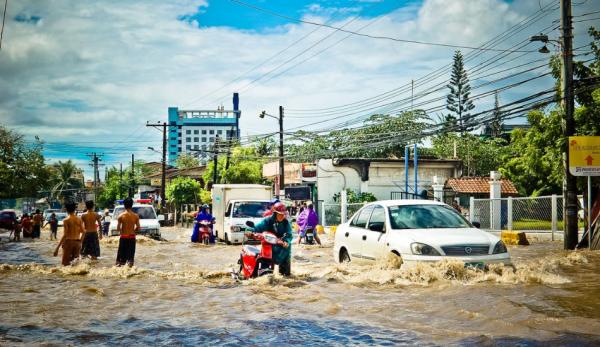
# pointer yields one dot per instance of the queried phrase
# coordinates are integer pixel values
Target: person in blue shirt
(280, 226)
(203, 214)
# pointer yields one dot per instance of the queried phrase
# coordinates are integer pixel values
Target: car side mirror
(476, 225)
(161, 217)
(250, 223)
(376, 227)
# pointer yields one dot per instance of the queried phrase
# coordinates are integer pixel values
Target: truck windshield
(250, 209)
(145, 212)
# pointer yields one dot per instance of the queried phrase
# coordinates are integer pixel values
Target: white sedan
(416, 231)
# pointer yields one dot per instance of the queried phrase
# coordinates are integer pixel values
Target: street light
(545, 40)
(281, 163)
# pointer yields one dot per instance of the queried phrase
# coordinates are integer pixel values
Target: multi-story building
(196, 131)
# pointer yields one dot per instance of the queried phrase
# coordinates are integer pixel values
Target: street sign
(584, 155)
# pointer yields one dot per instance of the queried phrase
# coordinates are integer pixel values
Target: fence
(331, 213)
(543, 214)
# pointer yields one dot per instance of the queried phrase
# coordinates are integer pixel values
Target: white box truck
(234, 204)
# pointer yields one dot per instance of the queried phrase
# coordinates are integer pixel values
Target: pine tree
(458, 101)
(493, 128)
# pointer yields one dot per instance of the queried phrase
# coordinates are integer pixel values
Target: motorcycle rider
(308, 219)
(280, 226)
(204, 214)
(270, 210)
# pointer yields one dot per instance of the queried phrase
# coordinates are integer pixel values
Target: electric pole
(95, 159)
(215, 162)
(131, 188)
(164, 160)
(120, 180)
(570, 181)
(281, 161)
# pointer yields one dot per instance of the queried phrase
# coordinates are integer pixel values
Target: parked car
(149, 222)
(60, 216)
(8, 219)
(416, 231)
(48, 212)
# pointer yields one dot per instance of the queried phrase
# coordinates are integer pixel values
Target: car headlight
(500, 248)
(235, 229)
(423, 249)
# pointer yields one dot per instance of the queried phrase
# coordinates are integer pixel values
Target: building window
(212, 139)
(203, 132)
(195, 132)
(179, 141)
(196, 139)
(195, 146)
(220, 132)
(188, 147)
(188, 132)
(173, 139)
(179, 149)
(188, 139)
(203, 146)
(212, 132)
(204, 139)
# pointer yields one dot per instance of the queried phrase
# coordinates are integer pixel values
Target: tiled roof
(479, 185)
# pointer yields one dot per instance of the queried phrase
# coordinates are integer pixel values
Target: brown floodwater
(182, 294)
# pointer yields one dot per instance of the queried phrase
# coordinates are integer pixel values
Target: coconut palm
(65, 179)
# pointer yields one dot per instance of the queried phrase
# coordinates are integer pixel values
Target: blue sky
(87, 76)
(225, 13)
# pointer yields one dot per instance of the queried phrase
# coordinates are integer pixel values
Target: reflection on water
(183, 294)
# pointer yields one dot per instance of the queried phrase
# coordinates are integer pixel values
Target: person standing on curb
(128, 224)
(90, 245)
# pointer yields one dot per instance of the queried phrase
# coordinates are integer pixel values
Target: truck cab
(234, 204)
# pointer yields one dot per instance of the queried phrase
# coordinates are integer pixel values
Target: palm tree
(64, 179)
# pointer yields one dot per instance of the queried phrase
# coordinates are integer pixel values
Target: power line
(364, 35)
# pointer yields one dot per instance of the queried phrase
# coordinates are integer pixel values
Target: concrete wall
(384, 177)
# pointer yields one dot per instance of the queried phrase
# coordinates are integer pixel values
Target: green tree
(183, 190)
(494, 127)
(22, 169)
(458, 100)
(65, 180)
(245, 166)
(534, 163)
(265, 146)
(186, 161)
(479, 156)
(114, 189)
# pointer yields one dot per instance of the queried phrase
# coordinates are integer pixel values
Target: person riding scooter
(270, 210)
(203, 215)
(280, 226)
(307, 221)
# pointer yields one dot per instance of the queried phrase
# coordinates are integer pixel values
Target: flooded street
(182, 294)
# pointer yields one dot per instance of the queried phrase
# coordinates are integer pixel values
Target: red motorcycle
(255, 262)
(204, 231)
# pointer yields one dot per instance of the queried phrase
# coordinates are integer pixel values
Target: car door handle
(346, 234)
(364, 237)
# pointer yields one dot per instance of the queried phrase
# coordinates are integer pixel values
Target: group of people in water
(82, 235)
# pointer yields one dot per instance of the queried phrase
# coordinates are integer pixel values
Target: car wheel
(227, 239)
(344, 256)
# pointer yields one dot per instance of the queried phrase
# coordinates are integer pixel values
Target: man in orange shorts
(128, 224)
(90, 246)
(72, 233)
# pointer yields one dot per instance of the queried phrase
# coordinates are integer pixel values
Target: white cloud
(123, 63)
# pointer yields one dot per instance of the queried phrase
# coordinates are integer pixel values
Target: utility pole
(215, 162)
(120, 179)
(281, 161)
(570, 181)
(95, 159)
(164, 160)
(131, 189)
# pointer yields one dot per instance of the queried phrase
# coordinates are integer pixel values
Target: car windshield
(60, 216)
(254, 209)
(145, 212)
(425, 217)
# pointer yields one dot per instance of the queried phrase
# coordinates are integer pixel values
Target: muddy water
(182, 294)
